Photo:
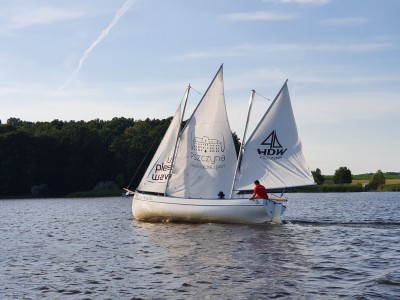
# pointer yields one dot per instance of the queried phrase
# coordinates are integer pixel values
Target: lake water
(331, 246)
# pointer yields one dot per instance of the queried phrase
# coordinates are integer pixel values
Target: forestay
(205, 158)
(273, 154)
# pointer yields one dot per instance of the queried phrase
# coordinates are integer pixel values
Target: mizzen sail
(273, 153)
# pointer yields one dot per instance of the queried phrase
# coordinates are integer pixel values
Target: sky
(98, 59)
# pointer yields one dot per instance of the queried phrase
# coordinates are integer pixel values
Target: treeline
(79, 158)
(344, 181)
(57, 158)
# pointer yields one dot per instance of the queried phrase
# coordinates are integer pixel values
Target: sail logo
(207, 151)
(161, 171)
(205, 144)
(275, 149)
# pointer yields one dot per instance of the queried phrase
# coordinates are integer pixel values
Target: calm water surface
(331, 246)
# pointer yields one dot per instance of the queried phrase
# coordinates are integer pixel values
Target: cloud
(208, 54)
(345, 107)
(43, 15)
(302, 2)
(250, 49)
(259, 16)
(352, 21)
(355, 47)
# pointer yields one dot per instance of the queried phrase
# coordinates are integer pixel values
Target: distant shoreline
(357, 186)
(322, 189)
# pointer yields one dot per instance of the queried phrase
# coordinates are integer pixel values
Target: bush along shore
(346, 188)
(344, 181)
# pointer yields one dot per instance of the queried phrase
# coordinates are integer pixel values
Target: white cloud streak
(259, 16)
(118, 15)
(307, 2)
(247, 49)
(44, 15)
(353, 21)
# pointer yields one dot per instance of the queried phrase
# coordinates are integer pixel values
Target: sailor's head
(256, 182)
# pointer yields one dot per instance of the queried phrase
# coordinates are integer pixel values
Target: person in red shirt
(259, 191)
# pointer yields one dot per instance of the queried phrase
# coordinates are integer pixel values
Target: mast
(185, 98)
(243, 140)
(269, 108)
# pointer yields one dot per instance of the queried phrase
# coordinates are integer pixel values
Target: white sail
(205, 158)
(273, 154)
(158, 171)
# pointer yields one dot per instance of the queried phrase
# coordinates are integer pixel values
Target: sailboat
(196, 176)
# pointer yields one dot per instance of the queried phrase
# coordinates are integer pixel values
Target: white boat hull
(154, 208)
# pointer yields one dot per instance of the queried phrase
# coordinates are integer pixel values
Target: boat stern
(274, 210)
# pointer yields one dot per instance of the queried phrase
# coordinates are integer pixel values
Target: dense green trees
(377, 180)
(342, 175)
(318, 177)
(58, 157)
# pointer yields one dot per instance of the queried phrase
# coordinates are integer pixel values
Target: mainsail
(158, 171)
(205, 158)
(273, 153)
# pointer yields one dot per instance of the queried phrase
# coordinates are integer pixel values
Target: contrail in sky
(118, 15)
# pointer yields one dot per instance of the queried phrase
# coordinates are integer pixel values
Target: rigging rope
(151, 147)
(137, 170)
(195, 90)
(263, 96)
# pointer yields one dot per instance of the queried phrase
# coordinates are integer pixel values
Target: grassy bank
(331, 188)
(102, 189)
(345, 188)
(94, 194)
(389, 188)
(110, 189)
(392, 185)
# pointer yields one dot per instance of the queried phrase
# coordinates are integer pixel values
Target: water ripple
(330, 246)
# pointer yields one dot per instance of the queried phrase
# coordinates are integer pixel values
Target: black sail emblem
(272, 141)
(275, 148)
